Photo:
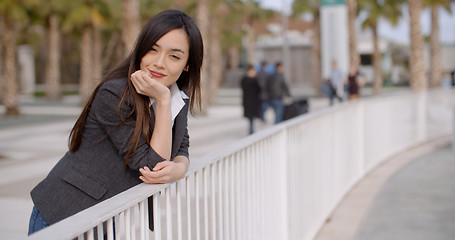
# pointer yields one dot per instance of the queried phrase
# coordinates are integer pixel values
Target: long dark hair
(189, 81)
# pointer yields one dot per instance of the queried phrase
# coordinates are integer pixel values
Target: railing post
(283, 183)
(453, 130)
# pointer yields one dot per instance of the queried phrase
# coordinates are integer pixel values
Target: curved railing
(280, 183)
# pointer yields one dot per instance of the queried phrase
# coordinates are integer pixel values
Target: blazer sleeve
(183, 149)
(105, 109)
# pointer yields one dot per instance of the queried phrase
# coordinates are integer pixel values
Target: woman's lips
(156, 74)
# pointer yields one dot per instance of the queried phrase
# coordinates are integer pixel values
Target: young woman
(133, 128)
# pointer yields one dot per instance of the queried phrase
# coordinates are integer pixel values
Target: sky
(399, 33)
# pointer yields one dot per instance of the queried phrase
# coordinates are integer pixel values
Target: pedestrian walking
(133, 128)
(277, 89)
(251, 96)
(262, 77)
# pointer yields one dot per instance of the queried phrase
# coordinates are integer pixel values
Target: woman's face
(168, 57)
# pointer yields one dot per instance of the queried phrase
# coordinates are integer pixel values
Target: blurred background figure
(353, 84)
(262, 80)
(277, 89)
(251, 91)
(336, 81)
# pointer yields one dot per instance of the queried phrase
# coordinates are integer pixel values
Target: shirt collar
(177, 102)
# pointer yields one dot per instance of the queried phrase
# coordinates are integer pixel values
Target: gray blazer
(95, 171)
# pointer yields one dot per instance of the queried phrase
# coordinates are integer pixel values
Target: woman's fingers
(161, 176)
(141, 80)
(146, 85)
(161, 165)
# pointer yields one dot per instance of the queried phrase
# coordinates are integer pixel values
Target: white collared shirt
(177, 102)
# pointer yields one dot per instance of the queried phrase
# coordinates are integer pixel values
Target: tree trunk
(131, 24)
(377, 82)
(216, 60)
(52, 79)
(86, 65)
(2, 59)
(316, 54)
(251, 34)
(110, 50)
(352, 15)
(203, 23)
(416, 65)
(234, 57)
(179, 4)
(435, 48)
(10, 96)
(97, 52)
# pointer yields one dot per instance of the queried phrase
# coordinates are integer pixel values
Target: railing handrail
(91, 217)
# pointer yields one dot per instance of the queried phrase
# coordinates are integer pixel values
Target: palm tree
(231, 29)
(216, 52)
(251, 33)
(13, 16)
(131, 23)
(203, 20)
(87, 16)
(2, 60)
(51, 11)
(418, 82)
(179, 4)
(10, 95)
(52, 74)
(312, 7)
(352, 15)
(376, 9)
(435, 45)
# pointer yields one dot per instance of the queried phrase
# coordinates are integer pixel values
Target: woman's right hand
(146, 85)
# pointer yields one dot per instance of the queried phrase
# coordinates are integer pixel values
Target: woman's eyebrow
(172, 49)
(177, 50)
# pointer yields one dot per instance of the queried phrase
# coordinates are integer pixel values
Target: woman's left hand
(164, 172)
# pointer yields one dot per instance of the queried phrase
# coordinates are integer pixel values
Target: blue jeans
(37, 221)
(333, 95)
(264, 107)
(278, 108)
(251, 125)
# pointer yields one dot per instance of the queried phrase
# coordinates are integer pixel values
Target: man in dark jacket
(276, 90)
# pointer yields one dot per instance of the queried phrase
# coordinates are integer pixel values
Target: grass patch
(40, 94)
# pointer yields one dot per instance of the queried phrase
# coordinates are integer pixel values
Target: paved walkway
(418, 202)
(409, 197)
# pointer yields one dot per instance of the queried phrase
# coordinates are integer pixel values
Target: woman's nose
(159, 61)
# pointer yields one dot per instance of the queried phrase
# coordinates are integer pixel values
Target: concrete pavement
(417, 202)
(410, 196)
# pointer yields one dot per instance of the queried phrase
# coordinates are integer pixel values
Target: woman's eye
(175, 57)
(153, 50)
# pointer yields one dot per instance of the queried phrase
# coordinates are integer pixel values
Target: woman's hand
(146, 85)
(165, 171)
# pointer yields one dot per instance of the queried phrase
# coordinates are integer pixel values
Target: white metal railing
(281, 183)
